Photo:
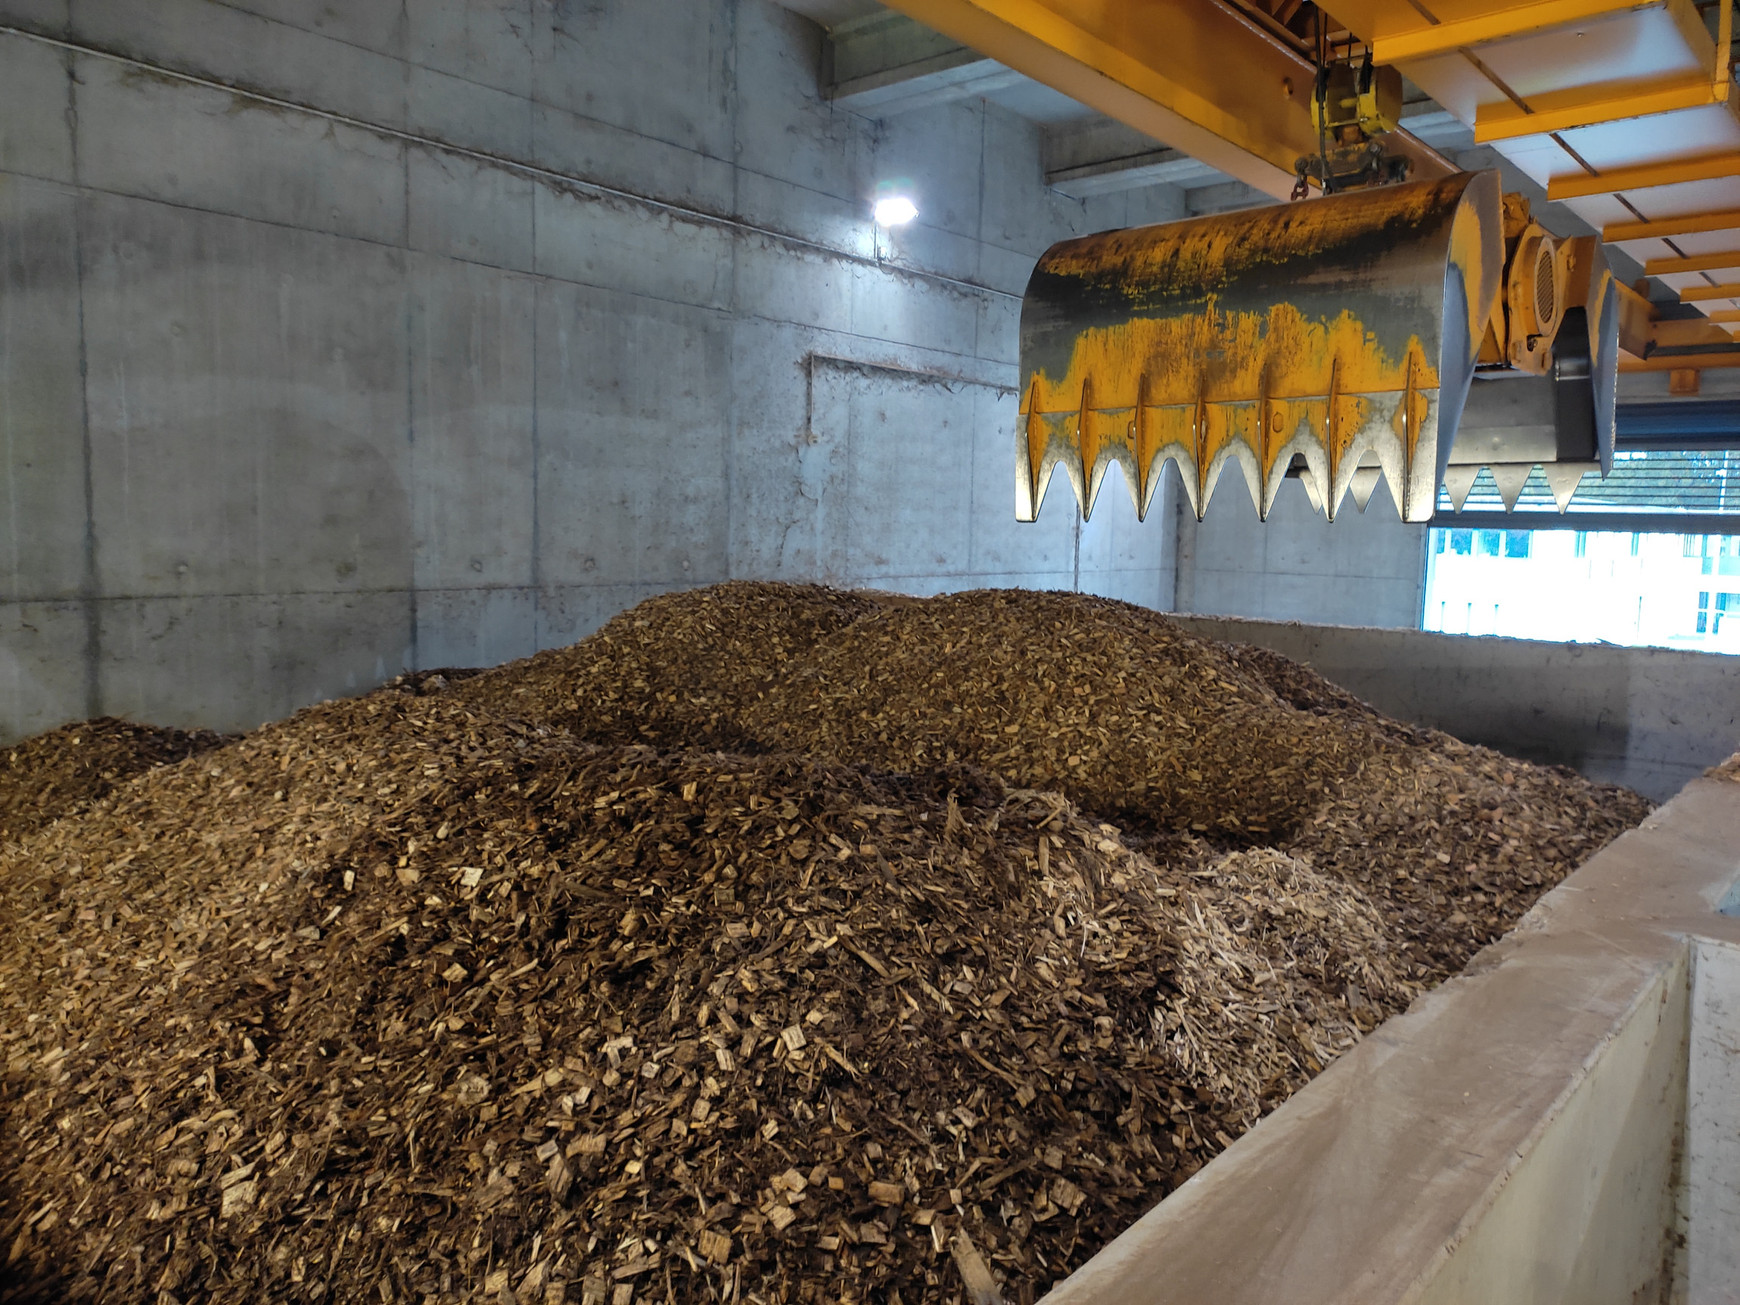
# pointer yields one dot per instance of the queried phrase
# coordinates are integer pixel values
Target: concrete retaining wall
(456, 327)
(1648, 718)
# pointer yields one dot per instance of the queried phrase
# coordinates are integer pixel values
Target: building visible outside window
(1641, 568)
(1625, 587)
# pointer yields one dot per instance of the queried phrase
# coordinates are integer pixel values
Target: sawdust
(498, 990)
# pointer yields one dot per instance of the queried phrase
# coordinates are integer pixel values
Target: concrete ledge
(1517, 1135)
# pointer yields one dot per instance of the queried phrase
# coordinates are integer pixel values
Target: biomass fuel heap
(773, 943)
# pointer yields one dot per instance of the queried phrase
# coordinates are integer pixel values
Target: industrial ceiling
(1620, 111)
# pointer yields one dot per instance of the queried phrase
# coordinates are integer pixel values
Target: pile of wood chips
(43, 778)
(503, 989)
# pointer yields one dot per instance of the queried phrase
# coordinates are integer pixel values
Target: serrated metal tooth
(1564, 477)
(1510, 479)
(1459, 481)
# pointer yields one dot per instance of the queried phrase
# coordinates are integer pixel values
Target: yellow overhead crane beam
(1585, 107)
(1402, 32)
(1411, 38)
(1645, 176)
(1196, 74)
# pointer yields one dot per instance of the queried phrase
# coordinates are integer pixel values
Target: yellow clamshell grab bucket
(1336, 337)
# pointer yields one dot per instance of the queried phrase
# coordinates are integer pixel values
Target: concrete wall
(1649, 718)
(1710, 1200)
(1367, 568)
(337, 340)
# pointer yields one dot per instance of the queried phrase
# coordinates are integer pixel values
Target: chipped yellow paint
(1275, 361)
(1220, 357)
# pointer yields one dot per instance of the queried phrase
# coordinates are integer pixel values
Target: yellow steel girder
(1696, 294)
(1725, 261)
(1589, 108)
(1644, 176)
(1410, 34)
(1681, 362)
(1688, 224)
(1196, 74)
(1422, 41)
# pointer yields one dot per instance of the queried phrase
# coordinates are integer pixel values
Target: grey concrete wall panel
(613, 244)
(248, 406)
(225, 43)
(50, 16)
(42, 455)
(45, 677)
(1361, 569)
(231, 662)
(1648, 718)
(659, 68)
(779, 282)
(632, 441)
(574, 145)
(1711, 1199)
(470, 210)
(467, 115)
(908, 491)
(207, 149)
(570, 612)
(473, 468)
(35, 111)
(486, 42)
(475, 627)
(360, 399)
(784, 130)
(377, 27)
(1002, 545)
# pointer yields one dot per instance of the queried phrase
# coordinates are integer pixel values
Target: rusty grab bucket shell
(1340, 330)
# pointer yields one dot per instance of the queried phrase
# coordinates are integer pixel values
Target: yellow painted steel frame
(1193, 73)
(1588, 108)
(1424, 41)
(1644, 177)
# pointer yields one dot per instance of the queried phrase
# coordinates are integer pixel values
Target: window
(1633, 587)
(1725, 603)
(1649, 555)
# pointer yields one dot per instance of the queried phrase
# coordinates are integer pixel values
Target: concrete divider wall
(1648, 718)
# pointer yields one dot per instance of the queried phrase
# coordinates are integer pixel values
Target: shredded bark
(727, 960)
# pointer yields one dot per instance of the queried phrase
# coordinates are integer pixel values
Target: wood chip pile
(45, 777)
(495, 990)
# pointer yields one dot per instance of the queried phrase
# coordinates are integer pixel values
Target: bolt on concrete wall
(469, 324)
